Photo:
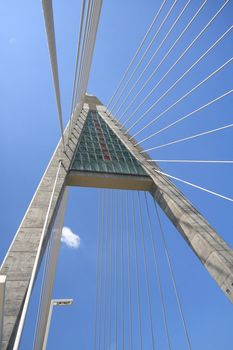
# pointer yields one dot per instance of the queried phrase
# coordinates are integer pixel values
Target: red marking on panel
(101, 139)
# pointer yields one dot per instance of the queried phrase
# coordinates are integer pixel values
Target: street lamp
(54, 302)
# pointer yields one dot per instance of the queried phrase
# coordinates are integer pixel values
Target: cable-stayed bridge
(114, 147)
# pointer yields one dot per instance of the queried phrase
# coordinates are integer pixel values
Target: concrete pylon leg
(19, 260)
(210, 248)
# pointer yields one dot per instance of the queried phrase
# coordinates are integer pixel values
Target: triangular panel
(101, 151)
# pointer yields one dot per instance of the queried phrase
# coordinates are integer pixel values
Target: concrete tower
(100, 154)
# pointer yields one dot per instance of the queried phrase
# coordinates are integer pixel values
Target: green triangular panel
(100, 150)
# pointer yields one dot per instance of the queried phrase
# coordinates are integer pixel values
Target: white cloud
(69, 238)
(12, 41)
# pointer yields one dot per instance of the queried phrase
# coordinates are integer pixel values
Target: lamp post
(54, 302)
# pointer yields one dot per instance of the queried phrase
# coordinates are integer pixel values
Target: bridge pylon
(99, 153)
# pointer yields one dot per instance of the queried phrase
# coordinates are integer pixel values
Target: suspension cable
(146, 272)
(49, 25)
(148, 64)
(97, 268)
(173, 277)
(136, 54)
(101, 270)
(151, 59)
(190, 161)
(189, 137)
(91, 26)
(129, 279)
(180, 57)
(106, 270)
(111, 250)
(96, 15)
(77, 61)
(122, 272)
(187, 115)
(88, 52)
(144, 55)
(84, 45)
(78, 83)
(195, 186)
(137, 273)
(179, 79)
(166, 55)
(116, 268)
(158, 274)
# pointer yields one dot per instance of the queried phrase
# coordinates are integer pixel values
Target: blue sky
(30, 131)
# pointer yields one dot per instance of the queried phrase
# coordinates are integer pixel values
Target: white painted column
(50, 271)
(2, 303)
